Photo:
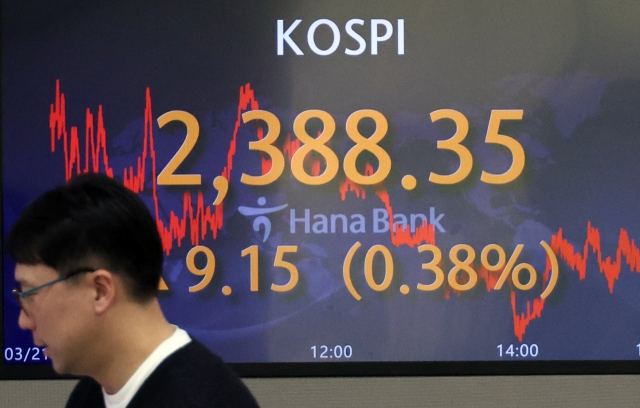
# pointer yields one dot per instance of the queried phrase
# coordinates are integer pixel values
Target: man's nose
(25, 322)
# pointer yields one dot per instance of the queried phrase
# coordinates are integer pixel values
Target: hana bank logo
(261, 220)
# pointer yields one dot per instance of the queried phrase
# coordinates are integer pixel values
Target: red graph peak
(199, 220)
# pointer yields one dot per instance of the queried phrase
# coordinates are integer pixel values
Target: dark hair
(92, 221)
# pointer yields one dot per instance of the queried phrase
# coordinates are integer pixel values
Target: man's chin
(64, 368)
(59, 367)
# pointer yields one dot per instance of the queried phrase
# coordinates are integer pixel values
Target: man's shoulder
(87, 393)
(193, 376)
(195, 360)
(194, 353)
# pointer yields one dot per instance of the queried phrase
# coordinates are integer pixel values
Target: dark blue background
(580, 134)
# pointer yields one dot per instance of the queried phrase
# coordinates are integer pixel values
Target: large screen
(351, 187)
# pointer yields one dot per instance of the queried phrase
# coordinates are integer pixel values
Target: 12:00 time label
(336, 351)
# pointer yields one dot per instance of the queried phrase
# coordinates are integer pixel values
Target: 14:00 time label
(522, 350)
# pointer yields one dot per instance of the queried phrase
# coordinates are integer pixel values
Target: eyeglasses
(21, 296)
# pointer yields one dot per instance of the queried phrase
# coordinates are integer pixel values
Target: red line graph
(290, 147)
(349, 185)
(609, 268)
(71, 144)
(577, 261)
(424, 234)
(399, 236)
(200, 221)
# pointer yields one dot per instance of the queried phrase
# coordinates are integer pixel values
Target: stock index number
(319, 145)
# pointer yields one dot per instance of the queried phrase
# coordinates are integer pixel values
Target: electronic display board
(353, 187)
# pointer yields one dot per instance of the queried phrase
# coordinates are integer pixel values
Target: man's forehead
(33, 273)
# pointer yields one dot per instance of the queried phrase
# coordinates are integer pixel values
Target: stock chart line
(202, 220)
(610, 268)
(577, 261)
(423, 234)
(199, 221)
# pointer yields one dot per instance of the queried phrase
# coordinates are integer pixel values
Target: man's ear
(104, 284)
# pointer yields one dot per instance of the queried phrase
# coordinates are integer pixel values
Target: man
(88, 262)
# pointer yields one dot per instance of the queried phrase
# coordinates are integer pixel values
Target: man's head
(91, 222)
(96, 229)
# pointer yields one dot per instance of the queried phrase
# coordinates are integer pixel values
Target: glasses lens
(18, 296)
